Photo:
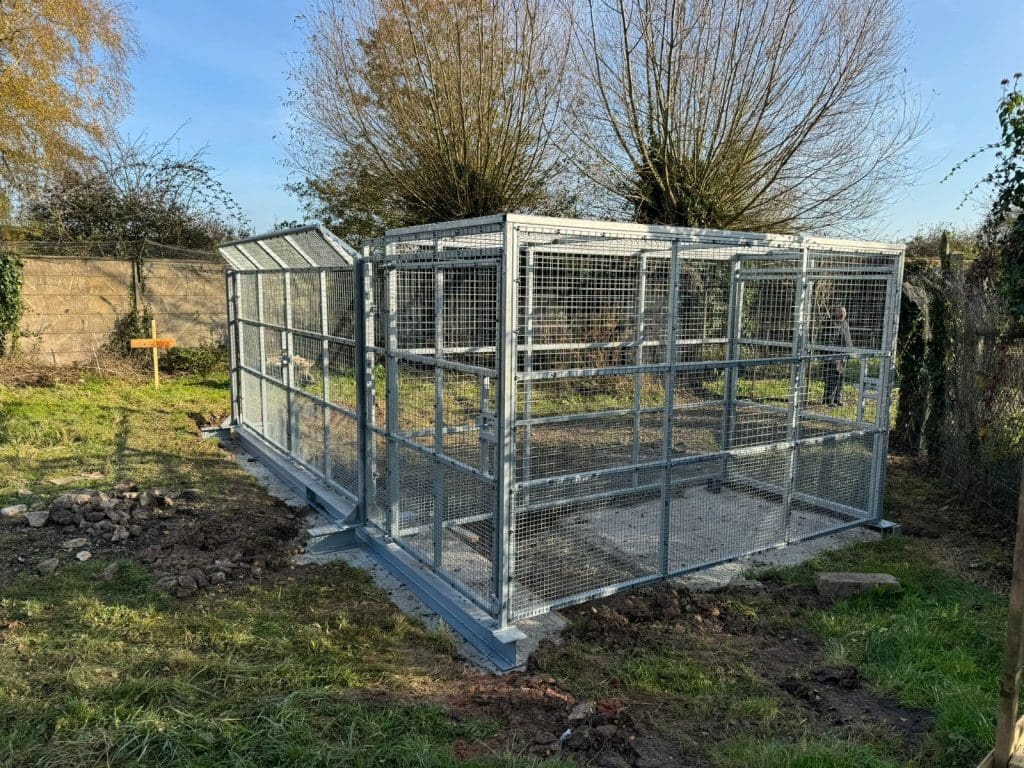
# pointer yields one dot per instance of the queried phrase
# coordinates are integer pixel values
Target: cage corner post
(505, 467)
(669, 415)
(730, 386)
(886, 369)
(394, 479)
(439, 496)
(798, 386)
(234, 346)
(362, 300)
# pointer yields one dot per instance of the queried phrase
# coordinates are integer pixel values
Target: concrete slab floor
(597, 534)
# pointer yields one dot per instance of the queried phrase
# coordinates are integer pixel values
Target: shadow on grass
(289, 673)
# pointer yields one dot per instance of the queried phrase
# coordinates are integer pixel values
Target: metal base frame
(305, 484)
(498, 645)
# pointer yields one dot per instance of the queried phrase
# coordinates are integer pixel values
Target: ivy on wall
(12, 305)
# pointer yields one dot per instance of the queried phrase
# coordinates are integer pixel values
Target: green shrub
(133, 324)
(12, 305)
(201, 360)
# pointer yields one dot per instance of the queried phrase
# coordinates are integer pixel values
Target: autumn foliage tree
(63, 83)
(421, 110)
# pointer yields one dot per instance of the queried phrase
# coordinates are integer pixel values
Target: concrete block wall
(72, 303)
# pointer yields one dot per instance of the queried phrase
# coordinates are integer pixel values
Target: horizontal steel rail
(677, 461)
(708, 365)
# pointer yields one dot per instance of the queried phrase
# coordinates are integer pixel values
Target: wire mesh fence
(545, 410)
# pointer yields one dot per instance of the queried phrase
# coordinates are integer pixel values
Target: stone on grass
(190, 494)
(109, 572)
(838, 585)
(167, 583)
(75, 543)
(47, 566)
(583, 711)
(37, 517)
(84, 555)
(154, 498)
(197, 575)
(751, 584)
(186, 586)
(63, 516)
(218, 577)
(14, 510)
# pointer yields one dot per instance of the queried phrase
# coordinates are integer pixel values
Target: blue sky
(216, 71)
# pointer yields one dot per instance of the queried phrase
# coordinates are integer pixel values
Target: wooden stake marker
(155, 344)
(1009, 749)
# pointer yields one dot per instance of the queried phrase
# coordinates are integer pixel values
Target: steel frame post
(325, 374)
(286, 364)
(527, 427)
(482, 424)
(638, 379)
(798, 383)
(439, 489)
(505, 513)
(731, 354)
(668, 420)
(362, 297)
(394, 480)
(880, 444)
(860, 383)
(234, 344)
(263, 354)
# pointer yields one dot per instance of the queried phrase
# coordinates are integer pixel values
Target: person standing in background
(838, 335)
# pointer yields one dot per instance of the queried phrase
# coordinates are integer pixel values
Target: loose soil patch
(187, 539)
(553, 710)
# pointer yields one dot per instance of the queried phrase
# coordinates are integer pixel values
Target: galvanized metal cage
(543, 410)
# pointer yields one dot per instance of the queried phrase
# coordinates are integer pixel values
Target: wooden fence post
(1007, 728)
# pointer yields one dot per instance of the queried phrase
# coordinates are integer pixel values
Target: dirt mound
(755, 627)
(542, 718)
(189, 541)
(619, 619)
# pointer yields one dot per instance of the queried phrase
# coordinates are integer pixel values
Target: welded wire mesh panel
(680, 401)
(295, 363)
(556, 409)
(434, 347)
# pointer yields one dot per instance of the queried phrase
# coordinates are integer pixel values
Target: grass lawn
(313, 666)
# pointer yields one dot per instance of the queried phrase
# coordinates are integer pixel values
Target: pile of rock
(115, 516)
(195, 578)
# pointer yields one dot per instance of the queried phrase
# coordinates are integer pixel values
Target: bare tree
(782, 115)
(417, 110)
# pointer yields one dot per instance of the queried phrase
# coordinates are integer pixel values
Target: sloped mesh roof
(302, 247)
